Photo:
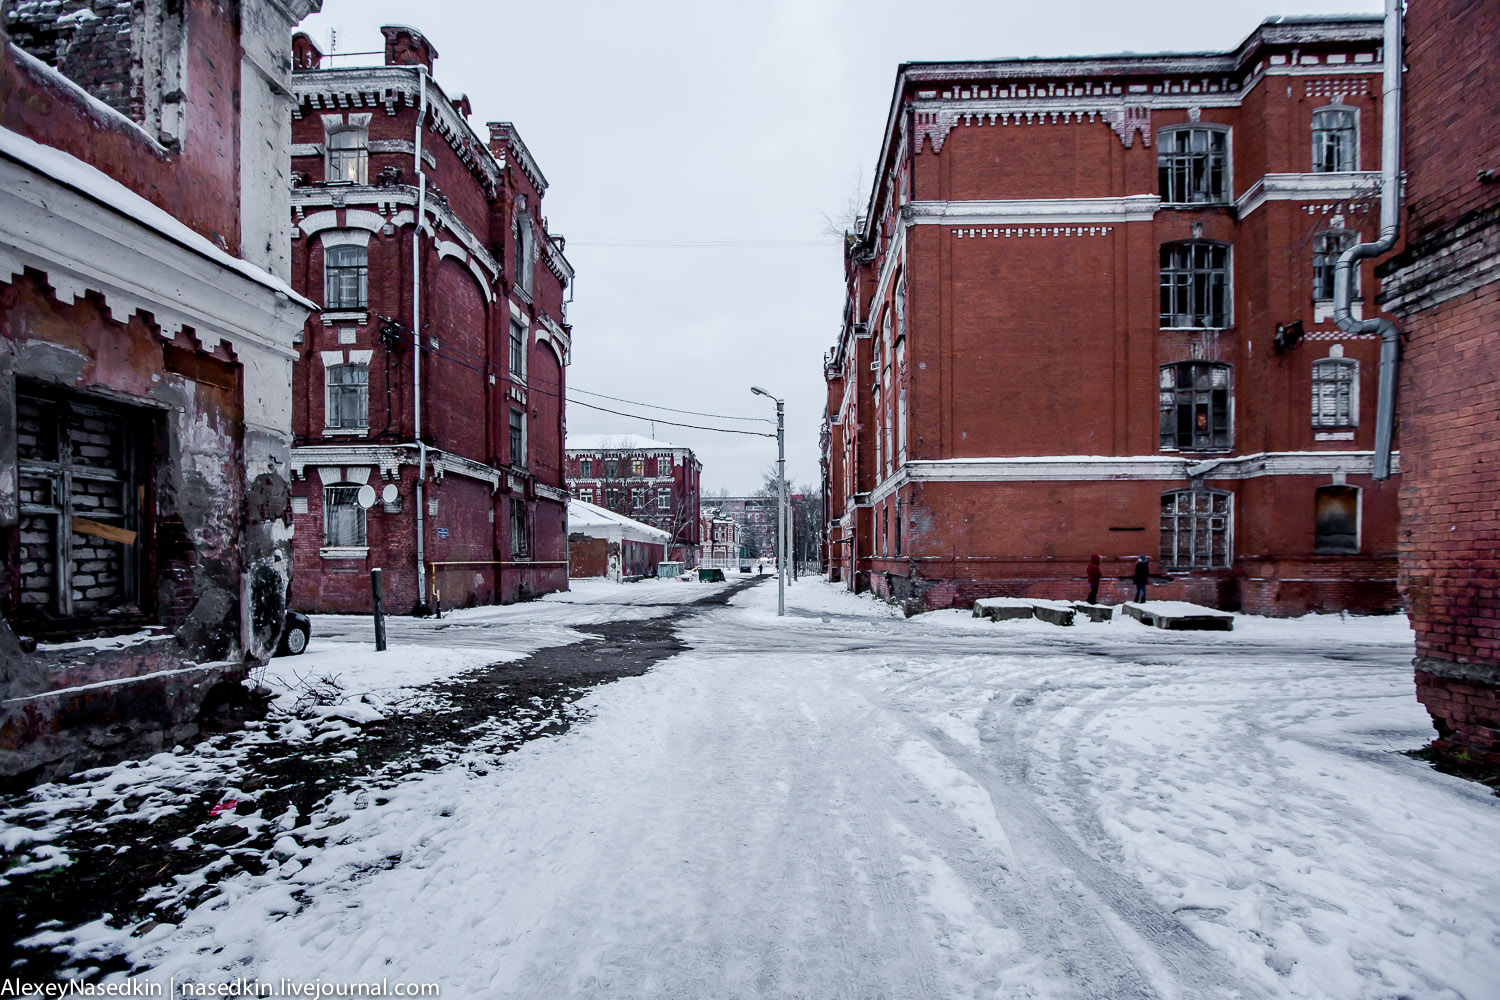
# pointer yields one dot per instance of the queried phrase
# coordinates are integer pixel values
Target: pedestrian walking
(1141, 576)
(1095, 572)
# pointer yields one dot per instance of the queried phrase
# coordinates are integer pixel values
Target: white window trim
(1228, 164)
(355, 360)
(1312, 151)
(1352, 364)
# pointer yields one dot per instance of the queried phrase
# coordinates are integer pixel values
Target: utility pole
(781, 499)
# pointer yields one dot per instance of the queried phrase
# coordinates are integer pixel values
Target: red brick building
(146, 328)
(1061, 331)
(434, 372)
(1445, 289)
(722, 538)
(651, 481)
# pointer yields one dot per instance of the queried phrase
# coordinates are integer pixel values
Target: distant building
(440, 391)
(1072, 327)
(721, 536)
(146, 332)
(1445, 287)
(647, 480)
(755, 517)
(603, 543)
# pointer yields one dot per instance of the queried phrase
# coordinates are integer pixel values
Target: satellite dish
(367, 496)
(390, 493)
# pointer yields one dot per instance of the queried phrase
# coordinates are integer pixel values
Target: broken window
(519, 542)
(1333, 134)
(83, 494)
(1195, 411)
(346, 270)
(343, 517)
(1336, 528)
(1195, 529)
(1192, 165)
(1335, 392)
(348, 396)
(1195, 284)
(1328, 246)
(349, 156)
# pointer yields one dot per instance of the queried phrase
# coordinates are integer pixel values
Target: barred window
(346, 270)
(1333, 135)
(1192, 165)
(348, 396)
(343, 517)
(1195, 410)
(517, 349)
(1195, 529)
(1328, 246)
(1335, 392)
(520, 541)
(349, 156)
(1195, 284)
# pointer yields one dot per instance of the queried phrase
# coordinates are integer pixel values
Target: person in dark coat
(1141, 576)
(1095, 572)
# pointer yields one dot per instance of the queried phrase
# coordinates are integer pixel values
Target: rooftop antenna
(333, 40)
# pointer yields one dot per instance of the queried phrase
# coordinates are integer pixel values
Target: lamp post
(781, 539)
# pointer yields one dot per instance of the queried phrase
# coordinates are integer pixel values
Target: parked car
(294, 634)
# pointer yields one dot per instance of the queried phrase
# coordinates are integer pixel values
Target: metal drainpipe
(416, 322)
(1390, 228)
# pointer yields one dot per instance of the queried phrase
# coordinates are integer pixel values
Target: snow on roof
(617, 442)
(91, 182)
(581, 514)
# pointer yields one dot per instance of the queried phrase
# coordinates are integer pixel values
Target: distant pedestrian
(1141, 576)
(1095, 572)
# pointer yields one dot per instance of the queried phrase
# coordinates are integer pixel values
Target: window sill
(1340, 434)
(344, 552)
(1196, 329)
(342, 315)
(1190, 205)
(346, 432)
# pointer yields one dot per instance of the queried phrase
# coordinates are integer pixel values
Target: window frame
(1171, 560)
(1348, 380)
(360, 156)
(520, 535)
(332, 494)
(517, 354)
(1166, 173)
(585, 468)
(337, 277)
(333, 390)
(1176, 280)
(1325, 261)
(663, 498)
(1320, 143)
(517, 438)
(1193, 397)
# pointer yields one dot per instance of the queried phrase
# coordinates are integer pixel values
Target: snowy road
(844, 803)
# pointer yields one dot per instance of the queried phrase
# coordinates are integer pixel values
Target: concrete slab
(999, 609)
(1095, 612)
(1180, 616)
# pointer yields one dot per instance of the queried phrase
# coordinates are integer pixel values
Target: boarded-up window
(81, 464)
(1195, 529)
(1337, 525)
(1335, 392)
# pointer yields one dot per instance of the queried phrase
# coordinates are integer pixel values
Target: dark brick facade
(488, 269)
(653, 482)
(995, 406)
(1445, 287)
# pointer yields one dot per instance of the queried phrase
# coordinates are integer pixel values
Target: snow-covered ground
(847, 803)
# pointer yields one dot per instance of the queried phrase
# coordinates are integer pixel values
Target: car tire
(294, 643)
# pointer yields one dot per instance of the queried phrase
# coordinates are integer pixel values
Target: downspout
(416, 323)
(1390, 228)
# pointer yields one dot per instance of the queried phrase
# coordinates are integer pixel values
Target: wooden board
(108, 532)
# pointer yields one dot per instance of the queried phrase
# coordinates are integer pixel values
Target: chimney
(305, 53)
(407, 47)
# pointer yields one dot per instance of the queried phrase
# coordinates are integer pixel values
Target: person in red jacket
(1095, 572)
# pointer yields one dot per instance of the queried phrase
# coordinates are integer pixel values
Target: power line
(704, 242)
(658, 406)
(672, 423)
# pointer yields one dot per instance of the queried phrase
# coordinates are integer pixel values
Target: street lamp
(781, 532)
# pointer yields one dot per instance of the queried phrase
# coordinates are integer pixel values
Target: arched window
(346, 270)
(1336, 525)
(1196, 414)
(1334, 130)
(343, 517)
(349, 156)
(1328, 246)
(1192, 165)
(1195, 528)
(1195, 284)
(1335, 392)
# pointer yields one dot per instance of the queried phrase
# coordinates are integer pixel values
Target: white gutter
(1390, 228)
(416, 323)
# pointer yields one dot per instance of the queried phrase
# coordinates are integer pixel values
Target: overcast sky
(693, 149)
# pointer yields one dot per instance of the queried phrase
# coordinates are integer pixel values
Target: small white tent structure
(602, 543)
